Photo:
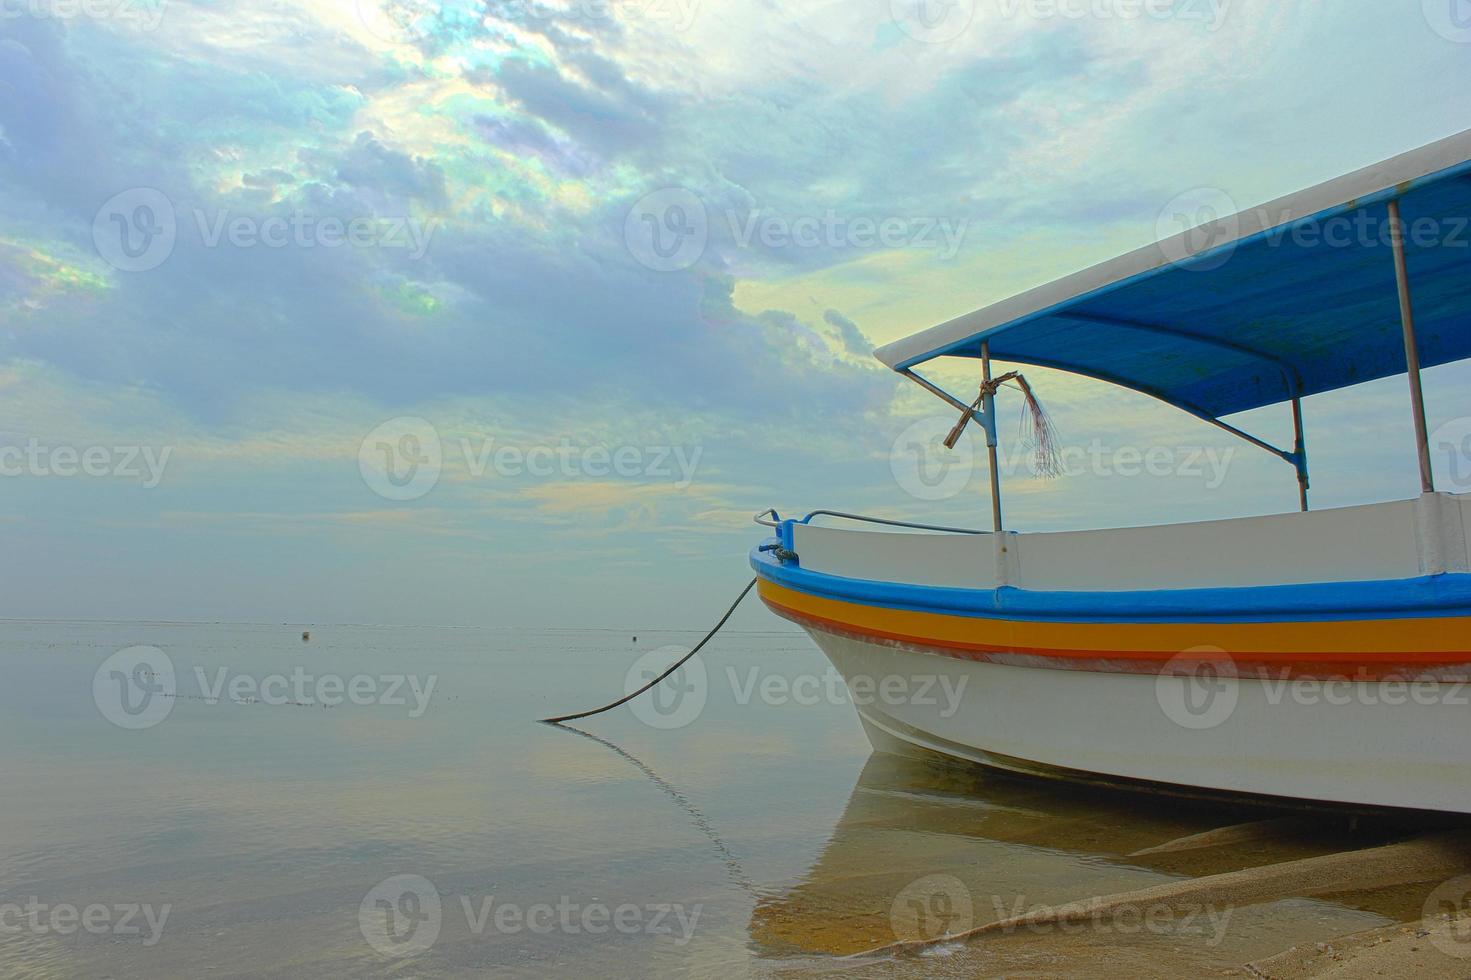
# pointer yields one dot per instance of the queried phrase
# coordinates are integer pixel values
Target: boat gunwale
(1442, 595)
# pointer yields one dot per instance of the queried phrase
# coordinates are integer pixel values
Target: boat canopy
(1266, 306)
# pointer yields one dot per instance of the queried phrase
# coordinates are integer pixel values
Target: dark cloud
(610, 118)
(370, 165)
(853, 340)
(526, 137)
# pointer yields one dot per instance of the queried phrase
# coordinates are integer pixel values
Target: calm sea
(231, 801)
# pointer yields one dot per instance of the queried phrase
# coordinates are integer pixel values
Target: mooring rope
(655, 682)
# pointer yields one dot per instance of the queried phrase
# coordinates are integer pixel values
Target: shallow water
(242, 827)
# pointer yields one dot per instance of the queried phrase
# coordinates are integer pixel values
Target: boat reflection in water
(929, 848)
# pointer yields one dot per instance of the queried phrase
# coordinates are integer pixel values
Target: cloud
(493, 155)
(514, 145)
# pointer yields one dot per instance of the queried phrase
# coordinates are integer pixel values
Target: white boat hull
(1384, 743)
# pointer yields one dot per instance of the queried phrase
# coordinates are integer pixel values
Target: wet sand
(1438, 947)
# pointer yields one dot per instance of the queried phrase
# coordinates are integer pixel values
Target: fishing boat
(1319, 655)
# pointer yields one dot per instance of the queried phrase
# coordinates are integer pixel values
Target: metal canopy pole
(942, 394)
(1412, 350)
(989, 409)
(1299, 453)
(986, 419)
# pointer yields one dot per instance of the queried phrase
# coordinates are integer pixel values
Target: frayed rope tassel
(1043, 437)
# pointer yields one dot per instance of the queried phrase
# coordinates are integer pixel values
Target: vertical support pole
(1412, 350)
(989, 408)
(1299, 453)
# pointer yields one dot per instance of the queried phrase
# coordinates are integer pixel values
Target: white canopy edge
(1341, 193)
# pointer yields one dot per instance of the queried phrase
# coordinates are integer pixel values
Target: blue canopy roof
(1292, 298)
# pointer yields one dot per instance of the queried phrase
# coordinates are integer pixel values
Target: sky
(452, 312)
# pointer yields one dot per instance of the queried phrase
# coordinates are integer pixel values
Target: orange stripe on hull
(1356, 649)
